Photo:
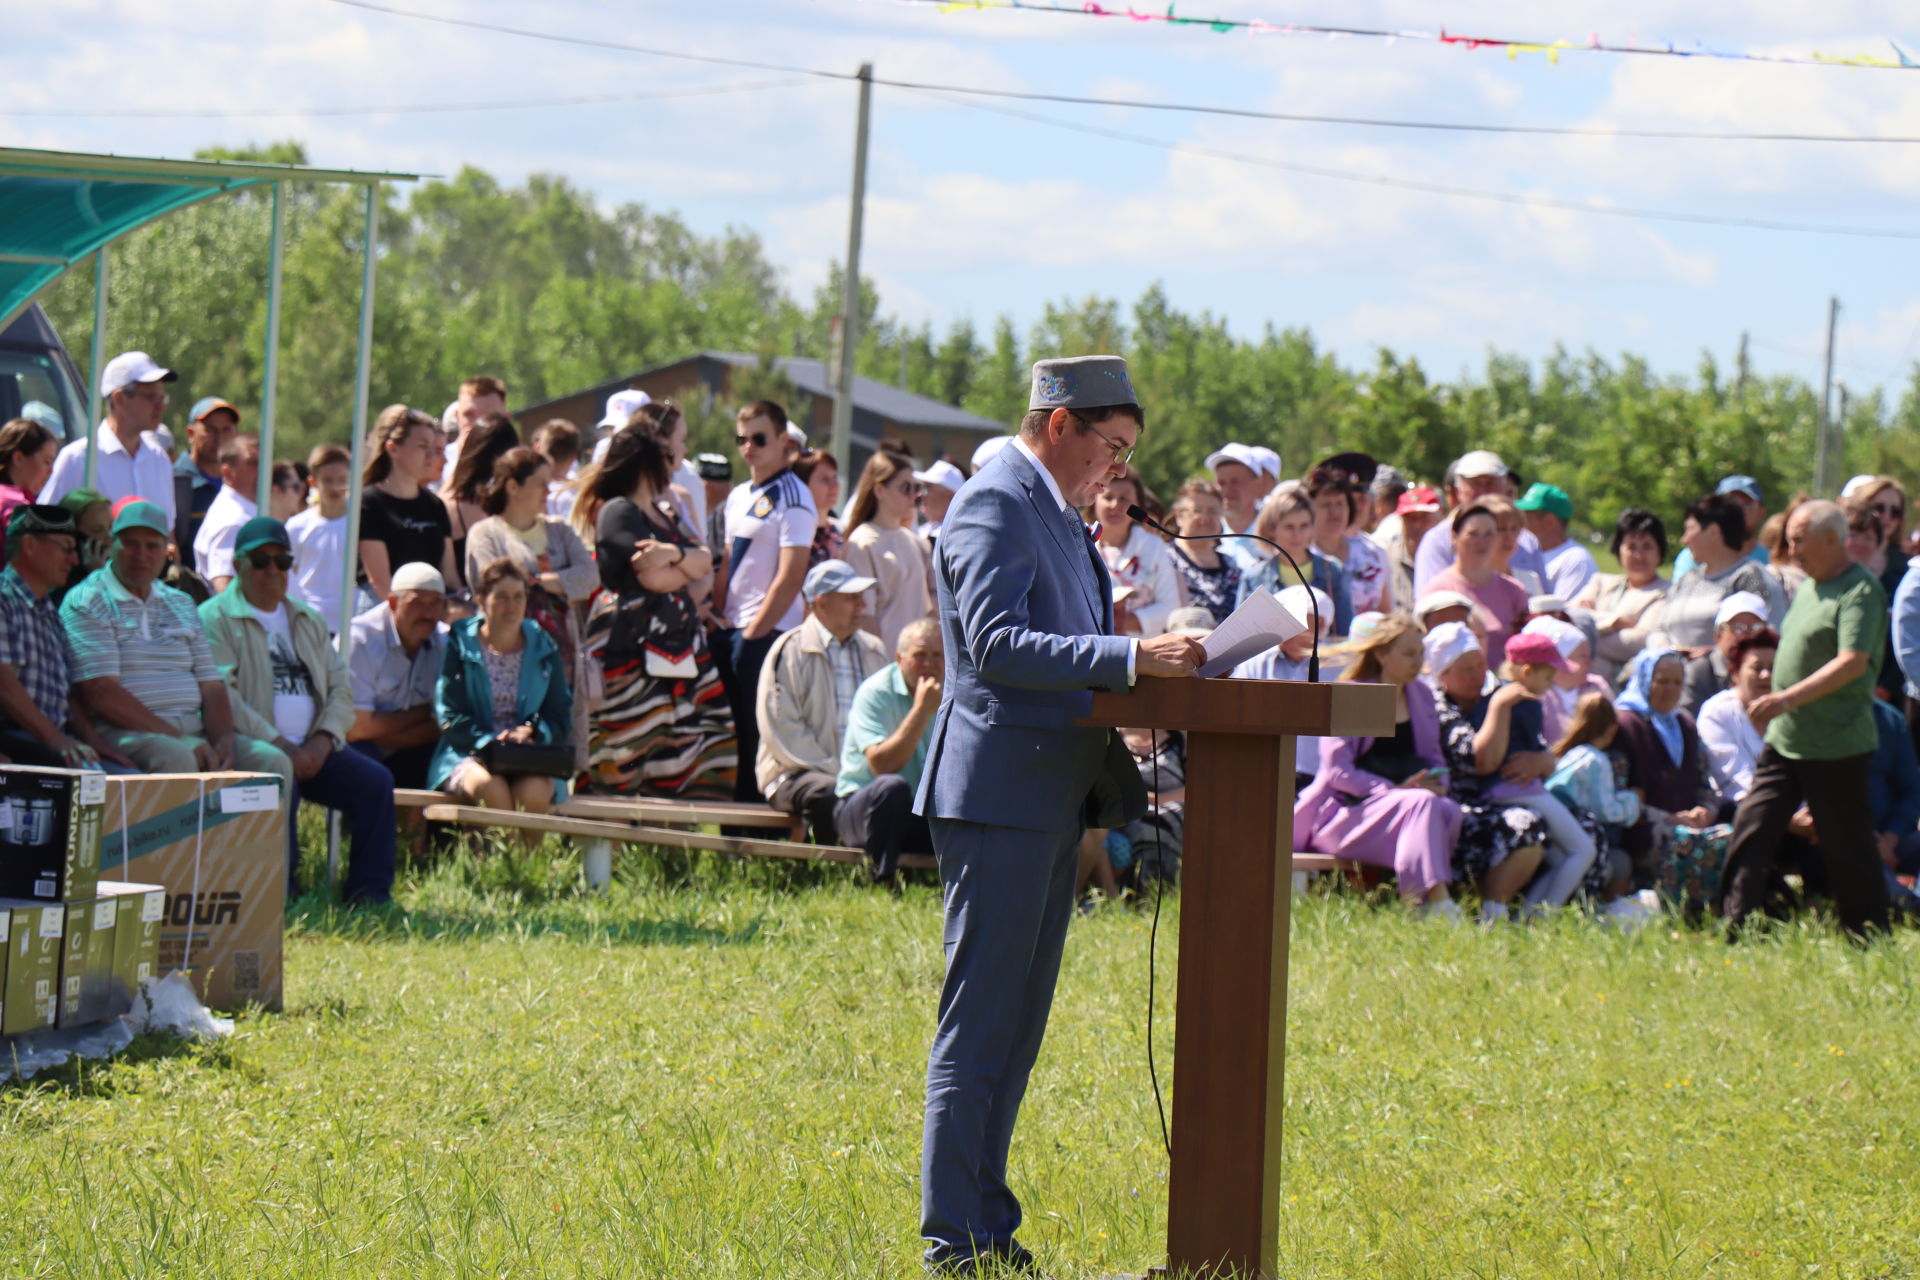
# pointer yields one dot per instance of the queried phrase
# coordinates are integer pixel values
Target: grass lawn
(714, 1069)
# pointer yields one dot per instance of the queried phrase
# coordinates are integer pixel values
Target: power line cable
(402, 108)
(1446, 189)
(1244, 113)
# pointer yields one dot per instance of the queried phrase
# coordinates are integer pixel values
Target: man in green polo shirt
(884, 752)
(1819, 728)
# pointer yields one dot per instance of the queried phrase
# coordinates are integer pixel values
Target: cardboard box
(50, 832)
(138, 911)
(35, 931)
(218, 842)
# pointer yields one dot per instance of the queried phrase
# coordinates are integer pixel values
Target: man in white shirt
(232, 507)
(770, 524)
(1547, 509)
(126, 464)
(479, 396)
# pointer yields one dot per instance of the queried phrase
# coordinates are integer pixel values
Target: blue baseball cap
(1741, 484)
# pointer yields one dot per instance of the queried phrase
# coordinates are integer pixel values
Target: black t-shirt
(411, 529)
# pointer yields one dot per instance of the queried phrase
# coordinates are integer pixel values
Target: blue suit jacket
(1026, 613)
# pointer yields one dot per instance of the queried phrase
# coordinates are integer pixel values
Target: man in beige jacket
(276, 655)
(806, 693)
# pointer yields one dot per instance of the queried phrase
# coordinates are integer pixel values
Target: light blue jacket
(463, 701)
(1906, 626)
(1026, 611)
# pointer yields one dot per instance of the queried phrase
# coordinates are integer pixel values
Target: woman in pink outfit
(1384, 800)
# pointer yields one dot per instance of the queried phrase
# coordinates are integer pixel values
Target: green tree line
(544, 287)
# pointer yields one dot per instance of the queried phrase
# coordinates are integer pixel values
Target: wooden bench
(600, 837)
(678, 813)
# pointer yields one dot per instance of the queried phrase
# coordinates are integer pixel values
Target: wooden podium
(1236, 887)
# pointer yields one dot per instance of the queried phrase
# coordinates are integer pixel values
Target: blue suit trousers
(1009, 899)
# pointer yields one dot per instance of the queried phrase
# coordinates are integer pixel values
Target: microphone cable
(1138, 513)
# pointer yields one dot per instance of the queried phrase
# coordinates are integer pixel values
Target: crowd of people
(599, 612)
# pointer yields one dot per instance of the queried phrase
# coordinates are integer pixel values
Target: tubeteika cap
(418, 576)
(713, 466)
(1081, 382)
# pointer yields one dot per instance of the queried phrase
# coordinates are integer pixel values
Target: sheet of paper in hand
(1260, 623)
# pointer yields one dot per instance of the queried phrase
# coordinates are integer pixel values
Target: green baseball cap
(1550, 498)
(261, 531)
(140, 514)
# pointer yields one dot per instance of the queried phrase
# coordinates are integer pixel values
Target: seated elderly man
(398, 648)
(144, 670)
(806, 695)
(281, 662)
(884, 752)
(1710, 670)
(41, 721)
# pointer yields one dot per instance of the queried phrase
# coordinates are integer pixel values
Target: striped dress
(662, 726)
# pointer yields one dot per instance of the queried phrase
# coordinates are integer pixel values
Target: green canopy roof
(58, 207)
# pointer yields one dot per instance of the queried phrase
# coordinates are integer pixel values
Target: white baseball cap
(1235, 452)
(1478, 464)
(1738, 603)
(1434, 601)
(130, 367)
(987, 450)
(942, 473)
(1565, 636)
(1447, 643)
(621, 406)
(795, 434)
(1265, 459)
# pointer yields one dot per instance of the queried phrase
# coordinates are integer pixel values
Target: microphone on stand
(1138, 514)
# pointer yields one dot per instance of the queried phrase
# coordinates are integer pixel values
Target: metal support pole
(99, 362)
(357, 449)
(850, 287)
(1822, 480)
(357, 452)
(270, 378)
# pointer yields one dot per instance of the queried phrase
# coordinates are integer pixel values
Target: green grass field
(713, 1070)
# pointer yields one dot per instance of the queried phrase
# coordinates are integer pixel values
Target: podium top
(1225, 705)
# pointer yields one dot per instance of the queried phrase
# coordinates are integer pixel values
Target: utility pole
(1822, 480)
(1740, 371)
(850, 286)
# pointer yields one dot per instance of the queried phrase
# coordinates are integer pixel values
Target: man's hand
(214, 757)
(1801, 824)
(926, 696)
(1169, 655)
(77, 754)
(1767, 708)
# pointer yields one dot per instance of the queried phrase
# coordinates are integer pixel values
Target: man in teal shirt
(884, 752)
(1819, 729)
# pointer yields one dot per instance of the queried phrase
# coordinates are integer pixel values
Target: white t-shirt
(147, 473)
(319, 562)
(294, 706)
(761, 519)
(213, 545)
(695, 507)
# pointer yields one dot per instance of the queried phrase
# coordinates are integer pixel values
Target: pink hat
(1530, 648)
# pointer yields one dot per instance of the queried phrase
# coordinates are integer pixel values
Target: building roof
(57, 207)
(869, 395)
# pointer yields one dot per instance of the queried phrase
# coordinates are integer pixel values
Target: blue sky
(974, 213)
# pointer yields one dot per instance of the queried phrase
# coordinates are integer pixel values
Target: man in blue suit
(1026, 610)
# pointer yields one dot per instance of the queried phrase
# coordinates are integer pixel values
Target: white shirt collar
(1053, 486)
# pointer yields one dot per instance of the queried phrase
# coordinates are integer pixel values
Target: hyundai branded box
(50, 832)
(32, 991)
(218, 842)
(139, 910)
